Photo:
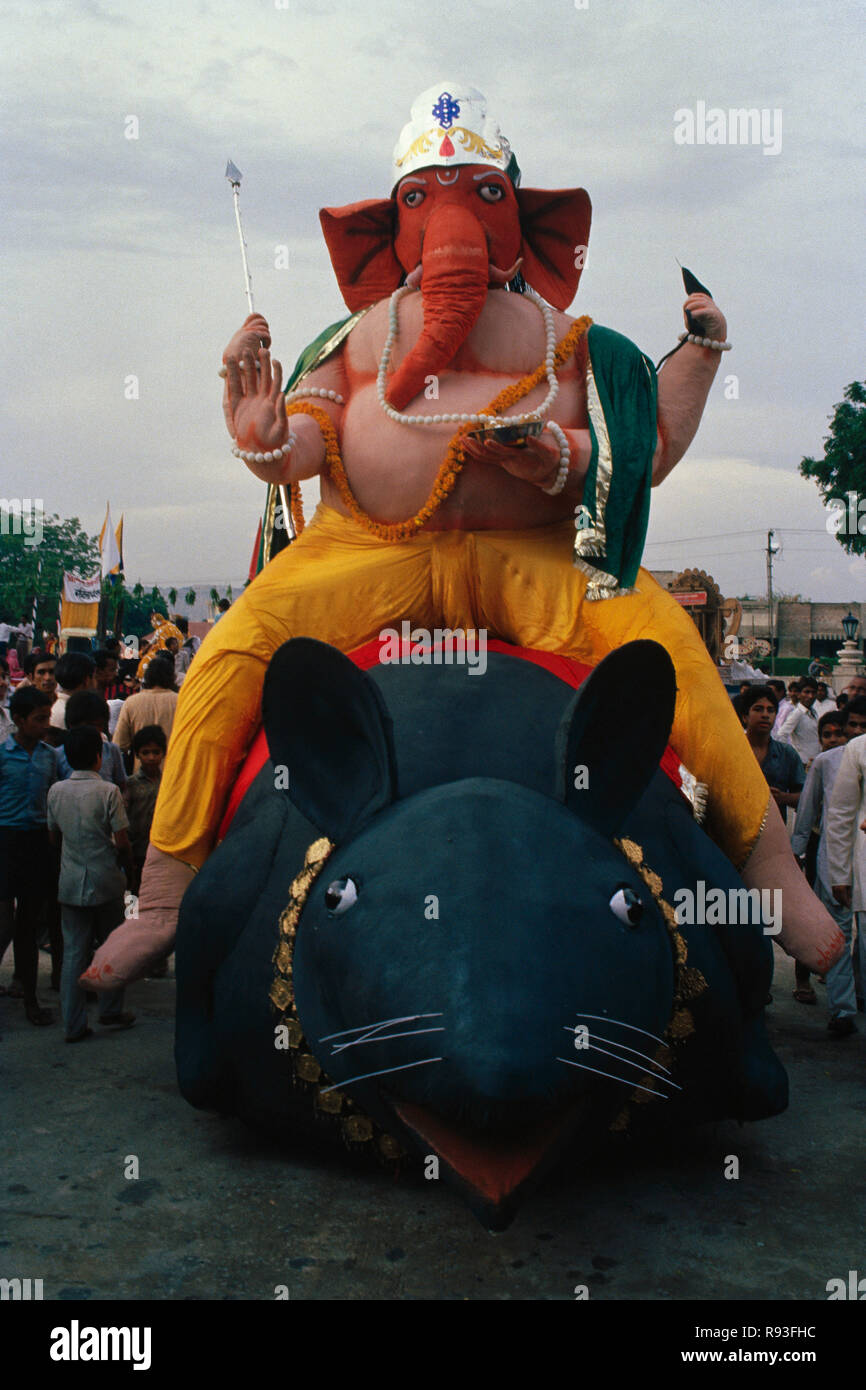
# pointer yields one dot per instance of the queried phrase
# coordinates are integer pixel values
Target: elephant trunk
(455, 273)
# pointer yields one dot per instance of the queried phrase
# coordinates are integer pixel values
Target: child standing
(149, 746)
(88, 813)
(91, 708)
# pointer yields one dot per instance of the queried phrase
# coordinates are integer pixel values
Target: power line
(716, 536)
(723, 535)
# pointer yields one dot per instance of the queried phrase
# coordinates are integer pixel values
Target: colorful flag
(79, 604)
(118, 536)
(109, 546)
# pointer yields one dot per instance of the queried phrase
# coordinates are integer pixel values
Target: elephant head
(461, 228)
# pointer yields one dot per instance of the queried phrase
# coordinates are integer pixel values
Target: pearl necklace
(464, 419)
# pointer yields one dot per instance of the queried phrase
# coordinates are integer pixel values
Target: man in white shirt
(787, 702)
(24, 640)
(825, 700)
(5, 631)
(846, 841)
(800, 727)
(812, 809)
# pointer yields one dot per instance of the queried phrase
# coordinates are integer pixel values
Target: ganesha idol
(485, 462)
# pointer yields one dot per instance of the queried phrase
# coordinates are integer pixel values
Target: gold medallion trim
(355, 1126)
(688, 981)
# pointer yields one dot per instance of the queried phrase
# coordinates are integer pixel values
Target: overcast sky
(121, 255)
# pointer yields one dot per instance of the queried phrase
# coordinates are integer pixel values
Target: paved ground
(215, 1214)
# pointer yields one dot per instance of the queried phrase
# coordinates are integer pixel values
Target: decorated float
(440, 909)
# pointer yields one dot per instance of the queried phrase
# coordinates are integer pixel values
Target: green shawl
(611, 522)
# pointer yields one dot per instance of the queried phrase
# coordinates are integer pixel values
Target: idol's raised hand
(253, 334)
(255, 410)
(707, 314)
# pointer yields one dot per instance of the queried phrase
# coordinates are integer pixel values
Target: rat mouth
(491, 1172)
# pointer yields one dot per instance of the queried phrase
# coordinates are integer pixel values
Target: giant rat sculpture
(440, 937)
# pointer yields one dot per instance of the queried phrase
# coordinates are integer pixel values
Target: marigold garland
(296, 503)
(451, 464)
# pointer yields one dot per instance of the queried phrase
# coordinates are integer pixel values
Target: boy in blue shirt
(28, 769)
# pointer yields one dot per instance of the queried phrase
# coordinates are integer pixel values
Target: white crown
(449, 125)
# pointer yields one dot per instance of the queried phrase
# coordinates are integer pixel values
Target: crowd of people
(802, 737)
(83, 737)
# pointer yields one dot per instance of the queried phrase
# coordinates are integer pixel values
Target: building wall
(803, 629)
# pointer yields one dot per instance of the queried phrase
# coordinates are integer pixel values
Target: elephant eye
(626, 905)
(492, 192)
(414, 197)
(341, 895)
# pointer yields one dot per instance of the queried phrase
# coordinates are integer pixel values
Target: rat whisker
(339, 1085)
(386, 1023)
(634, 1051)
(383, 1037)
(633, 1085)
(665, 1080)
(605, 1018)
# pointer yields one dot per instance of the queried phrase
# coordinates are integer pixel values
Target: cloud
(123, 254)
(714, 514)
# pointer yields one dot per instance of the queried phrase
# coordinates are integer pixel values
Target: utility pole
(771, 551)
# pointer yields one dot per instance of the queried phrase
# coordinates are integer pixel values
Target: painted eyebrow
(490, 174)
(412, 178)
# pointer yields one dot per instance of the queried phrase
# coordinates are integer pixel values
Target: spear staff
(234, 176)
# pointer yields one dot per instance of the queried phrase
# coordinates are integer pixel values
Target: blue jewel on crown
(445, 110)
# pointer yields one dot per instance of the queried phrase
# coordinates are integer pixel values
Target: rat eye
(626, 905)
(414, 197)
(341, 895)
(492, 192)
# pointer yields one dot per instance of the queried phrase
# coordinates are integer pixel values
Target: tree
(841, 473)
(189, 598)
(172, 597)
(131, 608)
(35, 570)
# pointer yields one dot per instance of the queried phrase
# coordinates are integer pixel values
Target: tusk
(501, 277)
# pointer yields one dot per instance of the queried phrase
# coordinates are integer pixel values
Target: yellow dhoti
(342, 585)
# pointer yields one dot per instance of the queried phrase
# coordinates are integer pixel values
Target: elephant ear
(555, 227)
(360, 241)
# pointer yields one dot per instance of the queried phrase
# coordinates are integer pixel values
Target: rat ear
(616, 728)
(327, 724)
(360, 241)
(555, 228)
